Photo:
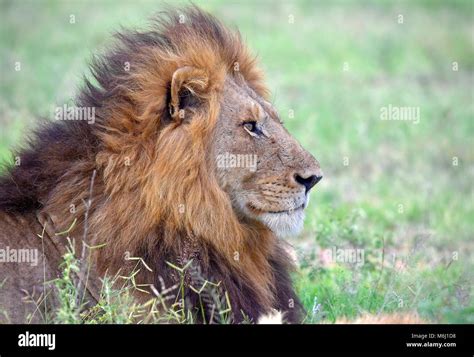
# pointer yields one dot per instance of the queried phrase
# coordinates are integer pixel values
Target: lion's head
(207, 151)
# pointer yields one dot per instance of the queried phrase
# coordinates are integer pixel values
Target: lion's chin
(285, 224)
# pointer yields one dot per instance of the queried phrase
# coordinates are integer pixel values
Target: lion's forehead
(250, 104)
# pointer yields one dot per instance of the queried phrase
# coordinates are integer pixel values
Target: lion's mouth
(290, 211)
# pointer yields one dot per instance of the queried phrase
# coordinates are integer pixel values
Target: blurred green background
(401, 191)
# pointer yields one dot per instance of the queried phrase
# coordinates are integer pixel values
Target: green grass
(390, 187)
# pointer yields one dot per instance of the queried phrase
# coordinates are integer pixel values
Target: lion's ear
(188, 88)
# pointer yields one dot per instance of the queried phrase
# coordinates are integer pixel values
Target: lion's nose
(309, 181)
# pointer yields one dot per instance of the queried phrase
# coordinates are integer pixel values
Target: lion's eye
(252, 128)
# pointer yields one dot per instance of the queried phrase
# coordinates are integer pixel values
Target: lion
(184, 161)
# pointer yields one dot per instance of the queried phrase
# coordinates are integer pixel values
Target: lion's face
(263, 169)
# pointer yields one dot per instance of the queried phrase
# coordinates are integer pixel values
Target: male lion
(185, 160)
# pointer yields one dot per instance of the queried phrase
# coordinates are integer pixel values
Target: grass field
(397, 192)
